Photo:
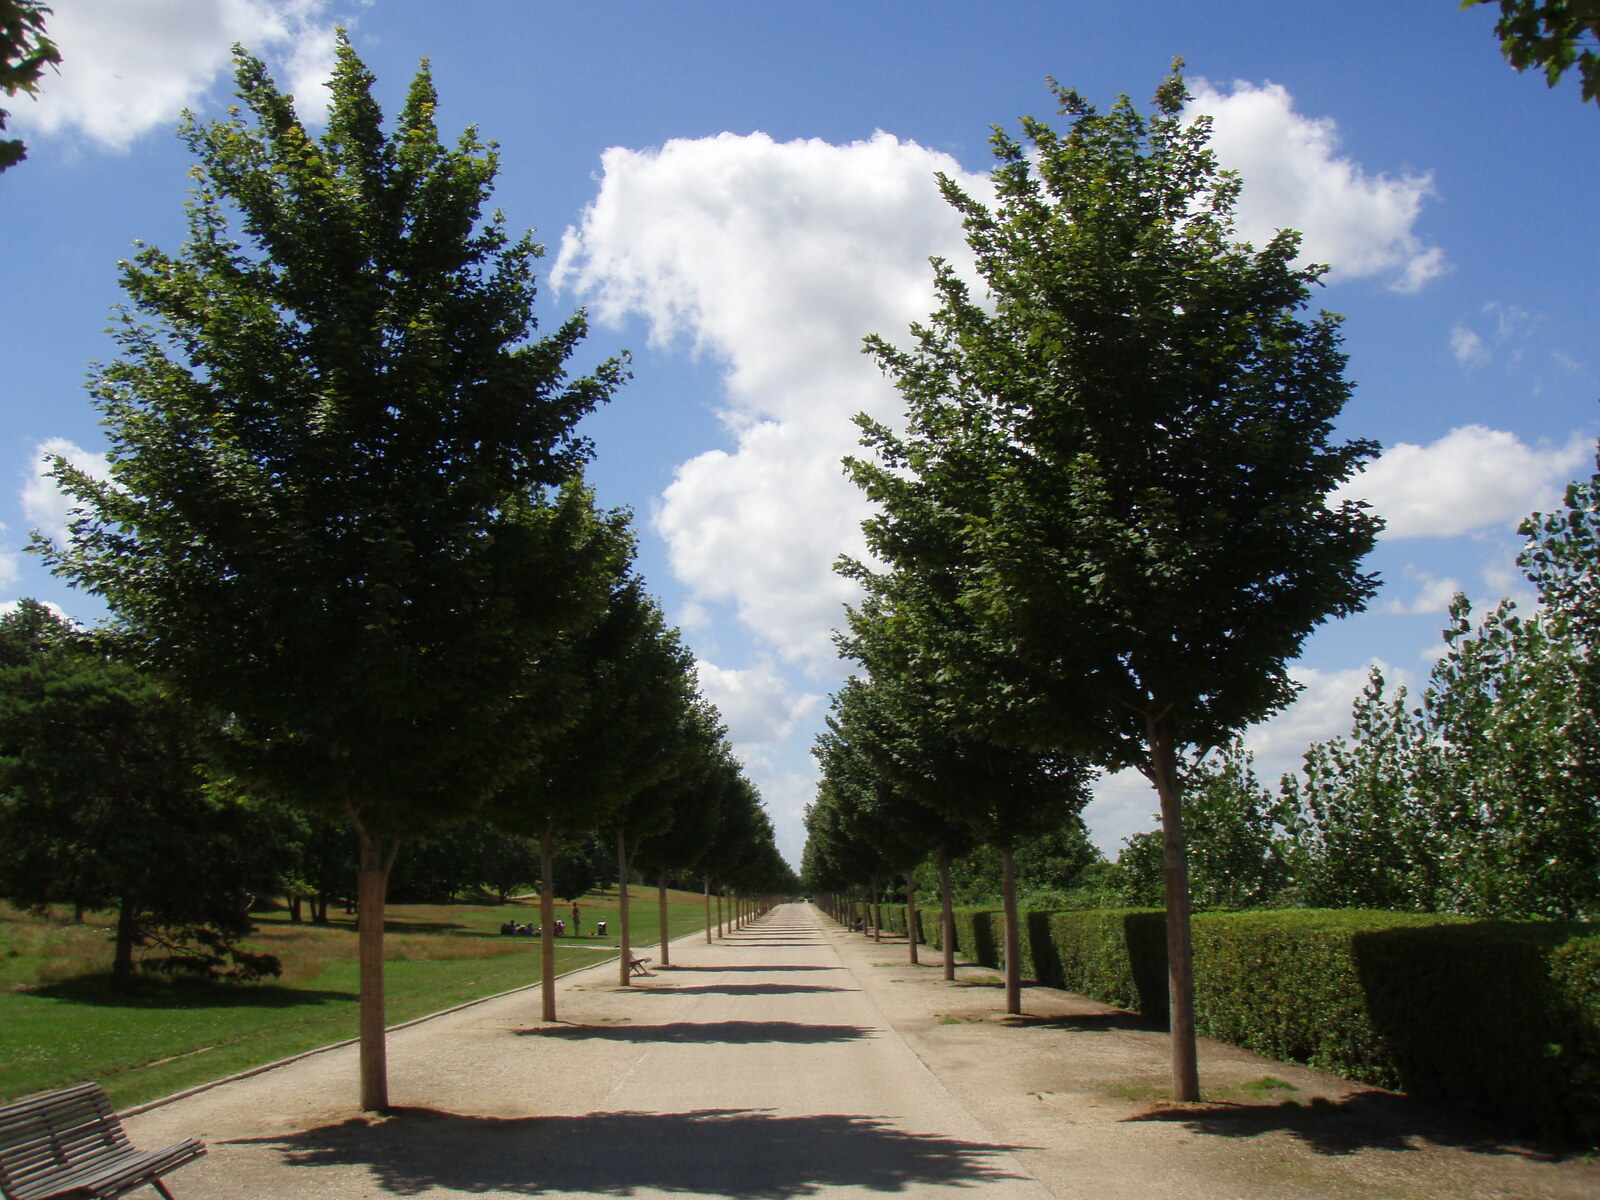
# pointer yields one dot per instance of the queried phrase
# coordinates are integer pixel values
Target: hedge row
(1498, 1017)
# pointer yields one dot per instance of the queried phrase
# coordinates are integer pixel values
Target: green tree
(1128, 447)
(648, 742)
(1362, 830)
(25, 51)
(629, 683)
(949, 781)
(1554, 35)
(1230, 821)
(104, 803)
(694, 797)
(1516, 737)
(343, 504)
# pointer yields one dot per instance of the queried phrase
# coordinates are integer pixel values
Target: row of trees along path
(1108, 521)
(346, 514)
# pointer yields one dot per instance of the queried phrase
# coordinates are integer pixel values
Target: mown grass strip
(161, 1039)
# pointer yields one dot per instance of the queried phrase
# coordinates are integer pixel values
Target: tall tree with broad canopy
(344, 505)
(1126, 446)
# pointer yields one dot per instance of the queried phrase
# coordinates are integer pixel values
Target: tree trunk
(547, 921)
(708, 908)
(947, 918)
(911, 917)
(377, 856)
(122, 956)
(1008, 895)
(1175, 878)
(294, 909)
(875, 910)
(661, 905)
(625, 959)
(719, 914)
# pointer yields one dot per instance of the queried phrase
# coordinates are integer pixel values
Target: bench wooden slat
(70, 1141)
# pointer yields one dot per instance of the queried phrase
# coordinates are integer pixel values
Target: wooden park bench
(70, 1143)
(636, 965)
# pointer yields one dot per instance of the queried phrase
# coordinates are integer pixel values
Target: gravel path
(795, 1059)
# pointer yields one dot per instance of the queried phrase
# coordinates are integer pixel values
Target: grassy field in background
(60, 1020)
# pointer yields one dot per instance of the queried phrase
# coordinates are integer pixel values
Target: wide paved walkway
(794, 1059)
(755, 1067)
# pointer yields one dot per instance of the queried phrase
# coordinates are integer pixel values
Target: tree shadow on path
(733, 1033)
(747, 989)
(1118, 1021)
(740, 1153)
(1369, 1120)
(769, 967)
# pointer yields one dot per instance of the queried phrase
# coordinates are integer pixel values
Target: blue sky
(739, 191)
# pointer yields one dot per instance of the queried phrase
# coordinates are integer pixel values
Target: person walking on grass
(576, 930)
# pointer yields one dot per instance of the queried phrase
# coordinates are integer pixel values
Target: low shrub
(1496, 1017)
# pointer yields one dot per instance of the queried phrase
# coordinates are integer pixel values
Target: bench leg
(162, 1188)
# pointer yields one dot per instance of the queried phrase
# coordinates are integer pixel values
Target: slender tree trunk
(911, 916)
(1008, 894)
(1175, 878)
(947, 918)
(372, 888)
(720, 930)
(122, 956)
(295, 903)
(547, 922)
(661, 904)
(708, 909)
(876, 903)
(625, 959)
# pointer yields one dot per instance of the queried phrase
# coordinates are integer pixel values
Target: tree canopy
(1553, 35)
(25, 51)
(106, 800)
(344, 503)
(1118, 463)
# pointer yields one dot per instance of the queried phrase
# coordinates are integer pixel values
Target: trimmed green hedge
(1498, 1017)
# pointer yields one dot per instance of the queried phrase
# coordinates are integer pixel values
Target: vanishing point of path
(795, 1059)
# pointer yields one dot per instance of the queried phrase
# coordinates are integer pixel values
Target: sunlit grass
(60, 1021)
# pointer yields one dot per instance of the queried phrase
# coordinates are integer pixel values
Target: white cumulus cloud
(757, 704)
(43, 503)
(1432, 596)
(776, 258)
(1358, 223)
(130, 66)
(1321, 711)
(1472, 478)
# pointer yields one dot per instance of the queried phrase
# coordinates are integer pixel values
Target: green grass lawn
(60, 1021)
